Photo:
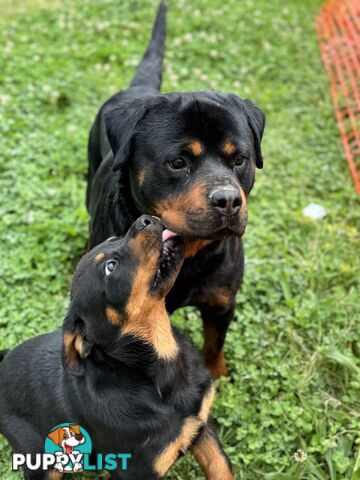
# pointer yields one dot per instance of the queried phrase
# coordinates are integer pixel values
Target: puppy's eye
(66, 435)
(177, 164)
(110, 267)
(239, 160)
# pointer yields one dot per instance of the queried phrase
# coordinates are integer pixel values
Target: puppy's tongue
(166, 234)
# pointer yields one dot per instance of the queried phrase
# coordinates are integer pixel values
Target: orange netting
(338, 28)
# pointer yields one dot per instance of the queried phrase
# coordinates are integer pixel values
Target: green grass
(294, 348)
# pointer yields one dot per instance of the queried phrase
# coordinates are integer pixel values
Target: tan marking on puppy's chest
(168, 457)
(206, 405)
(189, 431)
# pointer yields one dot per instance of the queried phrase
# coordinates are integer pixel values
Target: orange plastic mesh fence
(338, 29)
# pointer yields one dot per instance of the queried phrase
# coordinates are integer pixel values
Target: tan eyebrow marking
(228, 148)
(195, 147)
(99, 257)
(111, 238)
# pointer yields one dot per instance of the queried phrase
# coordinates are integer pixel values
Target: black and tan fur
(190, 159)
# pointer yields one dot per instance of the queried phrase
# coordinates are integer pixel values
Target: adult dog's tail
(149, 72)
(2, 354)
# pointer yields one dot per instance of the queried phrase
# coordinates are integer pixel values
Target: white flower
(31, 216)
(314, 211)
(5, 100)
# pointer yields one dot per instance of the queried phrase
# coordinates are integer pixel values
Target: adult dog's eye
(239, 160)
(110, 267)
(177, 164)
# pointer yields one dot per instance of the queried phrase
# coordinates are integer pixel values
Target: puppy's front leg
(211, 457)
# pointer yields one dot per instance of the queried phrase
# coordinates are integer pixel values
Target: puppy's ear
(55, 436)
(121, 124)
(76, 345)
(256, 121)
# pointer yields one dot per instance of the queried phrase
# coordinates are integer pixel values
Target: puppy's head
(190, 159)
(119, 288)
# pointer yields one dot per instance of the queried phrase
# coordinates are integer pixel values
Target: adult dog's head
(190, 158)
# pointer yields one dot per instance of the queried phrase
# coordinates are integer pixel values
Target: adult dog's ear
(76, 345)
(256, 121)
(121, 124)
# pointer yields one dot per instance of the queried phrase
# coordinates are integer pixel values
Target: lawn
(294, 348)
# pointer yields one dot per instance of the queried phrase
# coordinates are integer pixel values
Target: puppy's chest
(189, 429)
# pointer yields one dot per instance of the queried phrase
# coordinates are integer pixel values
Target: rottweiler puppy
(117, 368)
(190, 159)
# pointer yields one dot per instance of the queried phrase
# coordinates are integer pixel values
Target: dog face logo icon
(68, 442)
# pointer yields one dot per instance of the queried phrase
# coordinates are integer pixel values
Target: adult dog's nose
(226, 200)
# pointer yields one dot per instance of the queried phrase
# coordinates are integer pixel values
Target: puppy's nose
(144, 221)
(226, 200)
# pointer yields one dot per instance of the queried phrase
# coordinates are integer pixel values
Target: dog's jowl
(190, 159)
(117, 371)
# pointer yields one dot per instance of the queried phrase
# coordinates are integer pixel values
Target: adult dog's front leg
(216, 320)
(211, 457)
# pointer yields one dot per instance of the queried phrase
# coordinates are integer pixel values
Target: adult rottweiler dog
(117, 368)
(190, 159)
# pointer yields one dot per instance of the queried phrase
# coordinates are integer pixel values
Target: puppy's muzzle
(143, 222)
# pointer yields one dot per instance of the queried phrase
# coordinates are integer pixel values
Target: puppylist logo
(67, 449)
